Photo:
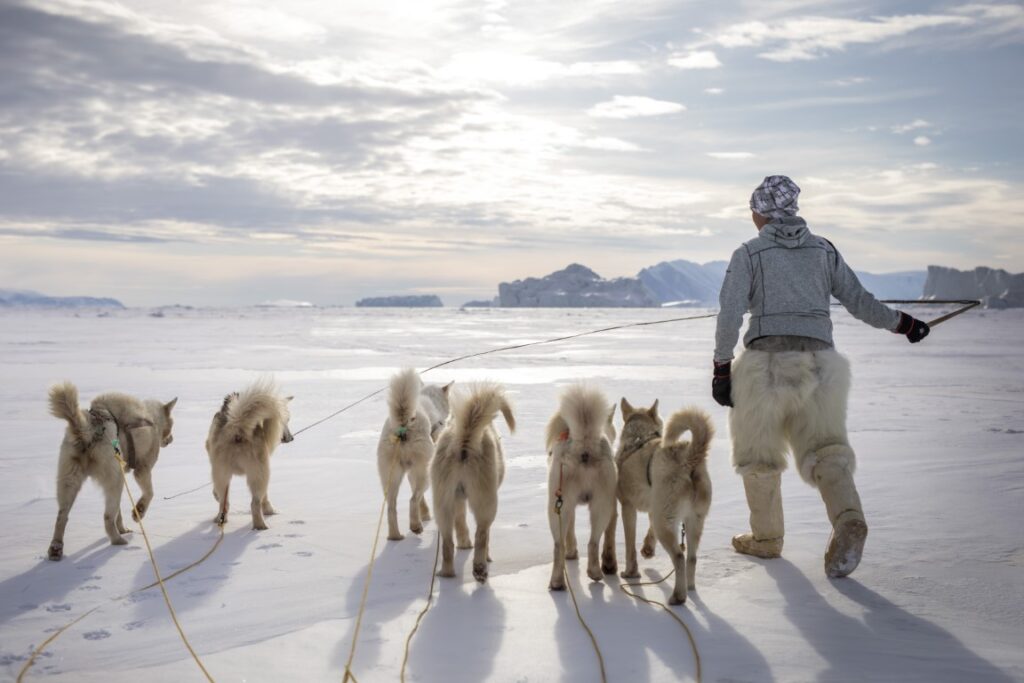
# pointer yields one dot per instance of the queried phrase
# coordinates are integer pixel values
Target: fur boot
(764, 496)
(849, 530)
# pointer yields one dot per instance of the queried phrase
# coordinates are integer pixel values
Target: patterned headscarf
(775, 197)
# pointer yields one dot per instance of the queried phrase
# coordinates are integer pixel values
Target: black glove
(721, 383)
(914, 329)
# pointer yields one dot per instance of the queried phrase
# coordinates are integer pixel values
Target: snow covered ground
(938, 428)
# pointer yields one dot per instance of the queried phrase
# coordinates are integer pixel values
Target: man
(790, 386)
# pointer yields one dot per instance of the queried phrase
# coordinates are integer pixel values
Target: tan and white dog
(139, 427)
(668, 479)
(468, 468)
(581, 472)
(416, 416)
(243, 435)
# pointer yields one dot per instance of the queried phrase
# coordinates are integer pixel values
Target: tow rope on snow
(624, 587)
(159, 582)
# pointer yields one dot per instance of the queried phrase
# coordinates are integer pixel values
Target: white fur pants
(794, 399)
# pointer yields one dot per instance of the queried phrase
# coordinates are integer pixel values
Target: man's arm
(861, 303)
(733, 302)
(865, 307)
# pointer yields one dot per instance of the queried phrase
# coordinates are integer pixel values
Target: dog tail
(586, 412)
(404, 396)
(557, 430)
(258, 404)
(64, 404)
(698, 423)
(474, 413)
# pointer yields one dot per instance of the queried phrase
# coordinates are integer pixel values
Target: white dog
(140, 429)
(558, 430)
(668, 479)
(468, 467)
(581, 472)
(416, 415)
(243, 435)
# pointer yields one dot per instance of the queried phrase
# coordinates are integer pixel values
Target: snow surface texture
(938, 428)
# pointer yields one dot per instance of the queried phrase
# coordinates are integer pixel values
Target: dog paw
(55, 552)
(556, 585)
(573, 554)
(268, 511)
(677, 600)
(221, 519)
(395, 536)
(464, 545)
(480, 571)
(691, 586)
(138, 512)
(118, 541)
(609, 567)
(446, 573)
(647, 551)
(261, 526)
(595, 574)
(416, 528)
(630, 574)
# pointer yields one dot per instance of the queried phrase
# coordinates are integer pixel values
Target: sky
(232, 152)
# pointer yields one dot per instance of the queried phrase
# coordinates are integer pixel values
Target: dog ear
(170, 406)
(447, 387)
(653, 410)
(611, 414)
(627, 409)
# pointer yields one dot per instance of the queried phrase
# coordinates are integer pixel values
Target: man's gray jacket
(785, 277)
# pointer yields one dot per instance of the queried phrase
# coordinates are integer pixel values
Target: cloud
(610, 145)
(714, 91)
(847, 82)
(517, 69)
(922, 141)
(627, 107)
(813, 37)
(731, 156)
(916, 124)
(701, 59)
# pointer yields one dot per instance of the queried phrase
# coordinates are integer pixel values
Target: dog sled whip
(965, 305)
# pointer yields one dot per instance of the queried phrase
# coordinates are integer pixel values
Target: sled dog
(581, 472)
(468, 468)
(243, 435)
(416, 415)
(668, 479)
(140, 428)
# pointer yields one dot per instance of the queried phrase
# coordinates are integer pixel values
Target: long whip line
(966, 304)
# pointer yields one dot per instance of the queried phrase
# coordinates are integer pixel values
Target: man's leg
(827, 462)
(764, 497)
(759, 452)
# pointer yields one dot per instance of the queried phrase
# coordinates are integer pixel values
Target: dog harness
(129, 440)
(637, 445)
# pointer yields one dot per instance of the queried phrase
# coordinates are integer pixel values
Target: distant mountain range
(401, 301)
(12, 298)
(669, 283)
